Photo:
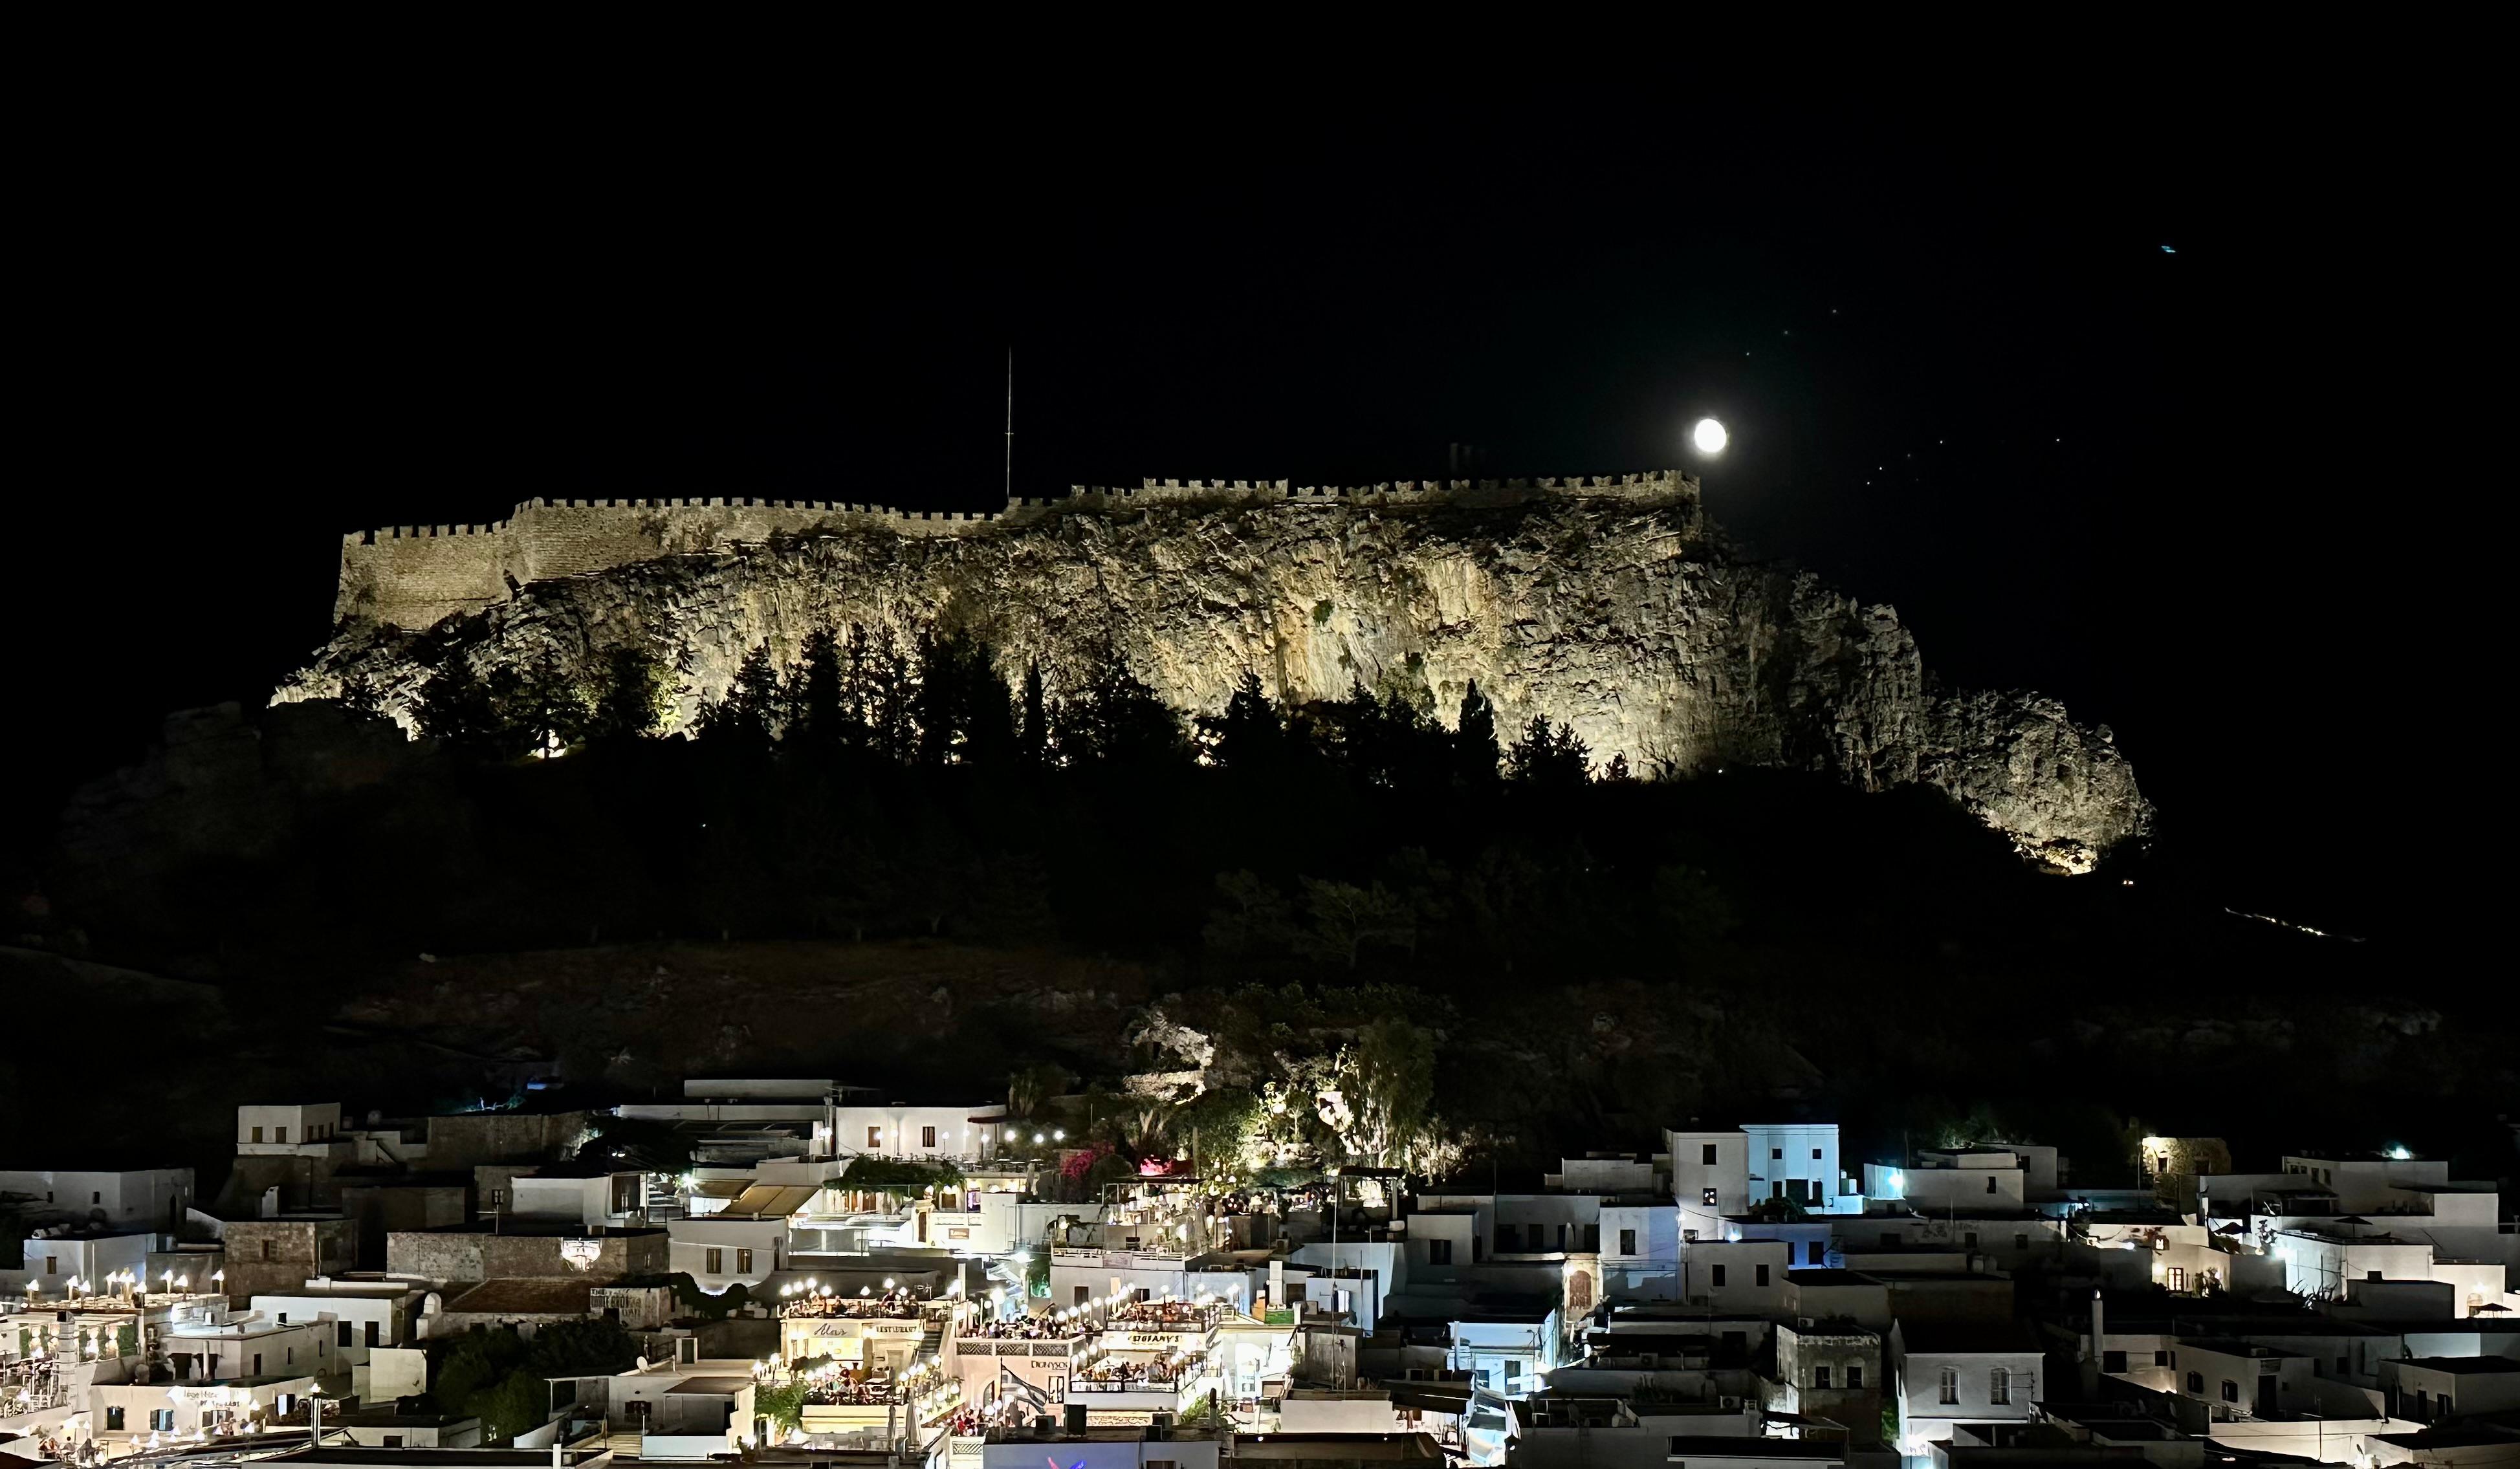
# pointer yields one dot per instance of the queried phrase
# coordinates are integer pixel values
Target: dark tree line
(874, 788)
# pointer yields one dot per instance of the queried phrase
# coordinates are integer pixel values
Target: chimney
(558, 1462)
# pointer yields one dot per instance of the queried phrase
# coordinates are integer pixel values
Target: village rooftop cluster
(822, 1280)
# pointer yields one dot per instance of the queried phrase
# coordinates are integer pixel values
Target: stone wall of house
(463, 1255)
(469, 1139)
(279, 1255)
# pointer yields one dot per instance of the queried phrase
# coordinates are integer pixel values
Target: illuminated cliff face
(1632, 623)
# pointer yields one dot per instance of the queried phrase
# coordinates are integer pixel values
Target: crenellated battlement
(415, 575)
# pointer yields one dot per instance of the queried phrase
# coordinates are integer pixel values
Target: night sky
(2177, 487)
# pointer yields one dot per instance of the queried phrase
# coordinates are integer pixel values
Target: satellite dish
(643, 1363)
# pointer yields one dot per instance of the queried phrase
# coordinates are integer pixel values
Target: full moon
(1709, 436)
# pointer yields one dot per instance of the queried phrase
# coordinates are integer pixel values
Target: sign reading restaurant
(843, 1328)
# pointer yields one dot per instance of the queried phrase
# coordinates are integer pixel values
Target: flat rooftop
(486, 1458)
(1711, 1447)
(1832, 1277)
(525, 1297)
(2464, 1366)
(1367, 1448)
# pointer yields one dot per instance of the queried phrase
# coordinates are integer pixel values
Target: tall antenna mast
(1011, 422)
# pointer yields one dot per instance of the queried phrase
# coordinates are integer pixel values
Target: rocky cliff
(1635, 623)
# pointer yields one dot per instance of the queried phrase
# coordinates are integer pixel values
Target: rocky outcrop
(1636, 624)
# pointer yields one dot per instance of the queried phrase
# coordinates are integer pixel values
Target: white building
(902, 1131)
(1109, 1448)
(1081, 1274)
(1710, 1178)
(56, 1256)
(1798, 1161)
(128, 1415)
(608, 1198)
(1742, 1276)
(1640, 1252)
(723, 1250)
(279, 1130)
(145, 1198)
(1987, 1179)
(1949, 1375)
(361, 1316)
(206, 1342)
(1509, 1353)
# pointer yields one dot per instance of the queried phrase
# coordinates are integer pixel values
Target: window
(1990, 1183)
(1439, 1252)
(1626, 1241)
(1706, 1153)
(1163, 1464)
(52, 1265)
(2345, 1366)
(1855, 1377)
(2161, 1358)
(372, 1333)
(1763, 1274)
(113, 1420)
(744, 1262)
(2021, 1241)
(1950, 1383)
(1817, 1251)
(1998, 1387)
(2230, 1391)
(1820, 1377)
(2195, 1382)
(163, 1419)
(1968, 1240)
(1775, 1155)
(96, 1198)
(927, 1136)
(717, 1262)
(1084, 1293)
(1706, 1196)
(289, 1356)
(280, 1134)
(1815, 1155)
(393, 1441)
(257, 1365)
(257, 1135)
(342, 1333)
(2175, 1277)
(2113, 1362)
(2372, 1275)
(875, 1136)
(1718, 1276)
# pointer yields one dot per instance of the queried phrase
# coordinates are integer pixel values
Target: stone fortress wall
(413, 576)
